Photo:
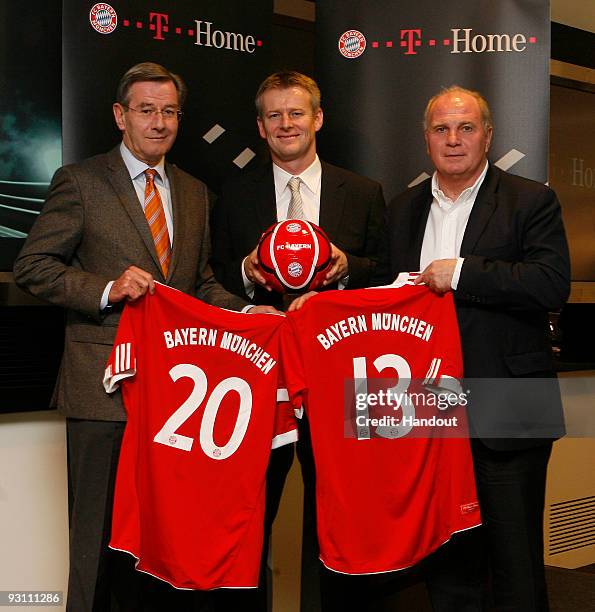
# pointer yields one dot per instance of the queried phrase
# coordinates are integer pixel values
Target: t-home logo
(201, 32)
(413, 41)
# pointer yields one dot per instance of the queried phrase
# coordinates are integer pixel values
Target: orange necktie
(156, 217)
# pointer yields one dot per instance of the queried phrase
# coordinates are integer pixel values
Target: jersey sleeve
(290, 389)
(445, 370)
(292, 369)
(122, 360)
(286, 430)
(438, 380)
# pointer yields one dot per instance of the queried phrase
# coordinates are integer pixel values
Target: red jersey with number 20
(201, 387)
(385, 500)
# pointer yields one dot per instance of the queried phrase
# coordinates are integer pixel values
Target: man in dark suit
(91, 250)
(498, 242)
(350, 208)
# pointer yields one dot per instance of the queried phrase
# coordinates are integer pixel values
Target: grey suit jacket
(92, 228)
(352, 211)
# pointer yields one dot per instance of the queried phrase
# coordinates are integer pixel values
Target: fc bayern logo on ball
(103, 18)
(352, 44)
(294, 269)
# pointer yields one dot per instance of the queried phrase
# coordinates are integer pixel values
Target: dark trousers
(259, 600)
(102, 580)
(511, 491)
(507, 550)
(452, 575)
(312, 569)
(93, 451)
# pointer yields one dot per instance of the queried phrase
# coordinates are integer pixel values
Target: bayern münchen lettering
(202, 336)
(379, 321)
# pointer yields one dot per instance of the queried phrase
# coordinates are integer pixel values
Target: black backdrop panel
(374, 102)
(222, 72)
(31, 342)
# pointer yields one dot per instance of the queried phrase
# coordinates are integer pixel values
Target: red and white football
(294, 256)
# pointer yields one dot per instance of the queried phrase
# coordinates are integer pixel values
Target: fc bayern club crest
(352, 44)
(293, 227)
(103, 18)
(294, 269)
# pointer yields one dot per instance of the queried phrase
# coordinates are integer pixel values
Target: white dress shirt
(136, 169)
(446, 225)
(311, 179)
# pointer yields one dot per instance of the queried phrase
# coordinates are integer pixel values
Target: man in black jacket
(350, 208)
(498, 242)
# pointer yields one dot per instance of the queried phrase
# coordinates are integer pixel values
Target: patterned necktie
(296, 206)
(156, 218)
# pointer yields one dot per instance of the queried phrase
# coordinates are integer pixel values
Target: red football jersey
(201, 387)
(377, 362)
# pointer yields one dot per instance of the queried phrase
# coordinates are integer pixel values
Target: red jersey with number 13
(386, 496)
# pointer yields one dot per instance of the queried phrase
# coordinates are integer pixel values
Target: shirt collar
(311, 177)
(137, 167)
(467, 195)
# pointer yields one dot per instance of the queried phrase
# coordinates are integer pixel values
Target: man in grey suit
(92, 250)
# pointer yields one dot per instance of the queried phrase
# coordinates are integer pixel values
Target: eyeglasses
(168, 114)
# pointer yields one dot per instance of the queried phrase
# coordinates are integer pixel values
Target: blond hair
(284, 80)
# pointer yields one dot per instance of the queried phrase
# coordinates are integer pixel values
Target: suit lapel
(407, 237)
(263, 205)
(175, 190)
(483, 208)
(332, 200)
(120, 180)
(419, 219)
